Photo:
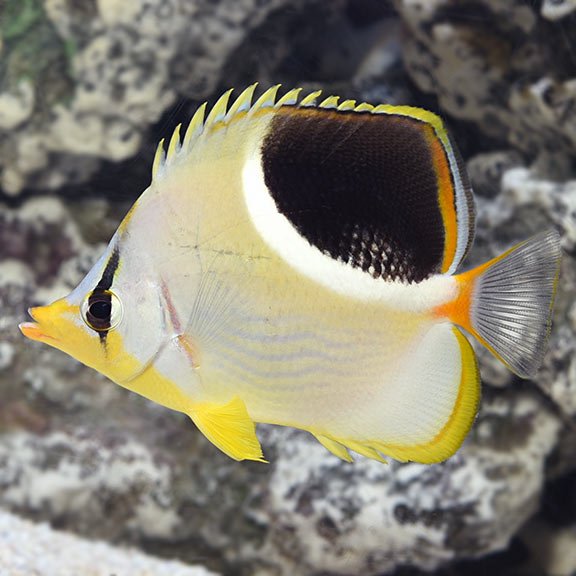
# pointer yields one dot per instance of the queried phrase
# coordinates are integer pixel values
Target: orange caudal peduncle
(458, 310)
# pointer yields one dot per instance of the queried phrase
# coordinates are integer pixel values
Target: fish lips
(35, 330)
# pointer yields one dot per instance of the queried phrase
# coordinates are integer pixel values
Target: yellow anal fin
(339, 447)
(366, 449)
(230, 428)
(335, 447)
(449, 439)
(444, 443)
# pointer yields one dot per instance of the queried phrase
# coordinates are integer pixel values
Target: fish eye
(102, 310)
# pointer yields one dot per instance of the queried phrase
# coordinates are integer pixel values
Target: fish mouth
(33, 330)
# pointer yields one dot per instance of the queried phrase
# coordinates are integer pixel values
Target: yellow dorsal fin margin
(413, 112)
(220, 114)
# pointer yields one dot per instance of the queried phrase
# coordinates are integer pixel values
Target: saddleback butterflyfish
(295, 261)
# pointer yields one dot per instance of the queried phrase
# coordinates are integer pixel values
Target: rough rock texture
(554, 549)
(97, 460)
(91, 458)
(509, 67)
(84, 81)
(525, 206)
(371, 518)
(30, 550)
(306, 512)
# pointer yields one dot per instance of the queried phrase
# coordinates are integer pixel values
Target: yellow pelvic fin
(335, 447)
(230, 428)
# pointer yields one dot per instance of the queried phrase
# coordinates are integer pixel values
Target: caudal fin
(511, 300)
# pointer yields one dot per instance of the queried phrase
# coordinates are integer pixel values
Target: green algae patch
(33, 51)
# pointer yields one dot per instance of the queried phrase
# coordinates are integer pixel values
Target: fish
(295, 262)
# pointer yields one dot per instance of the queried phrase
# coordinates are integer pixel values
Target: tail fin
(509, 302)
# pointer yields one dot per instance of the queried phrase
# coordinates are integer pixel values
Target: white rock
(28, 549)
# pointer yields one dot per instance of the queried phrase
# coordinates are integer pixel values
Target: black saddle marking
(361, 187)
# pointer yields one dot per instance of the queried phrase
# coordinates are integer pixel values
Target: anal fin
(335, 447)
(340, 448)
(367, 450)
(432, 410)
(230, 428)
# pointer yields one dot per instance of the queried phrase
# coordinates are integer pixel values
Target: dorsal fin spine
(159, 158)
(195, 128)
(218, 112)
(310, 100)
(174, 146)
(290, 98)
(222, 114)
(266, 100)
(242, 103)
(347, 105)
(330, 102)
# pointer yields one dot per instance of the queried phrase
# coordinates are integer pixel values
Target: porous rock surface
(83, 81)
(91, 458)
(509, 67)
(27, 549)
(97, 460)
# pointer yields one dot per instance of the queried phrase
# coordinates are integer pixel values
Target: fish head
(112, 321)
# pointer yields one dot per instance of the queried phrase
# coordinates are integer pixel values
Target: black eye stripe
(109, 271)
(101, 292)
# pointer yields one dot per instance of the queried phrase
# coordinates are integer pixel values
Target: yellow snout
(47, 325)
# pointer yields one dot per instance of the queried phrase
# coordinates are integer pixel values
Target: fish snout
(33, 330)
(45, 325)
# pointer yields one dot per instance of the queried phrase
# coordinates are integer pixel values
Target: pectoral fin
(230, 428)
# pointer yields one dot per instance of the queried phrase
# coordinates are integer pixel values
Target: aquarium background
(95, 480)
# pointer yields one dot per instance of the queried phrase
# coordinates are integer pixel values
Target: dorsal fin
(220, 114)
(454, 192)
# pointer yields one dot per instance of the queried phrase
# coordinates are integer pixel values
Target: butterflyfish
(295, 262)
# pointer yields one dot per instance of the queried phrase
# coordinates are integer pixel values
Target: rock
(557, 9)
(553, 550)
(89, 457)
(27, 549)
(486, 170)
(500, 66)
(370, 519)
(58, 474)
(525, 206)
(308, 512)
(100, 74)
